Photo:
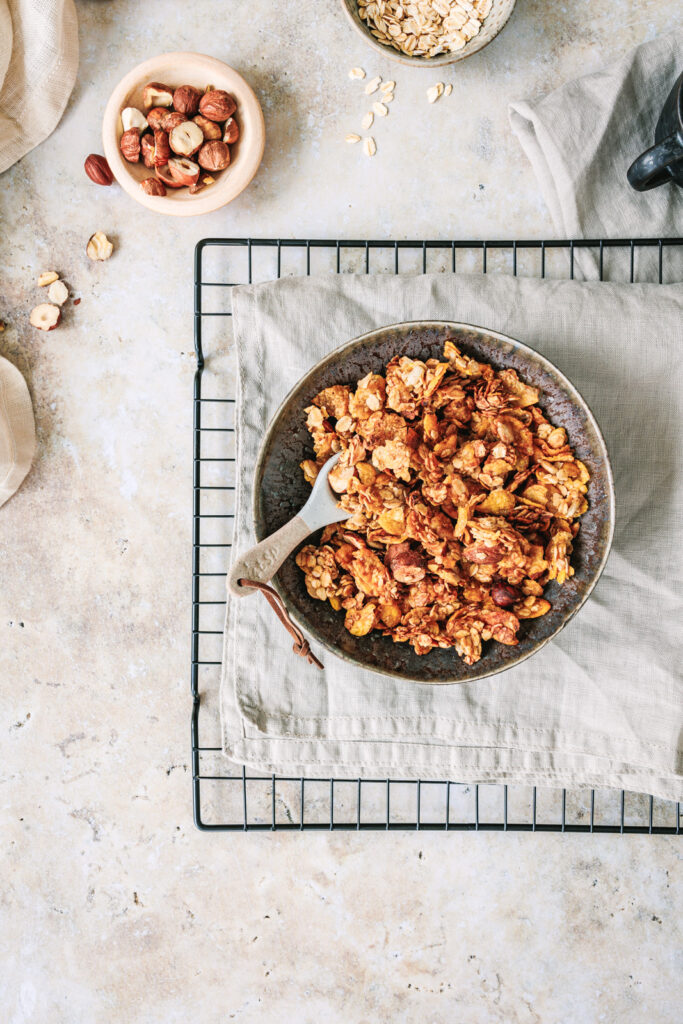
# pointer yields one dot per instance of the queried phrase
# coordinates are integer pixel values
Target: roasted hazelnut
(217, 105)
(153, 187)
(210, 129)
(184, 171)
(131, 117)
(172, 119)
(164, 175)
(231, 131)
(214, 156)
(186, 100)
(404, 564)
(186, 138)
(156, 94)
(98, 170)
(130, 145)
(155, 150)
(155, 118)
(45, 317)
(99, 247)
(504, 594)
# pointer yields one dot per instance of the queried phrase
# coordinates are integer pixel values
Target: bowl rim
(421, 62)
(215, 197)
(363, 339)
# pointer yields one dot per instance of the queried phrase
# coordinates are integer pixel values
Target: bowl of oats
(429, 33)
(480, 496)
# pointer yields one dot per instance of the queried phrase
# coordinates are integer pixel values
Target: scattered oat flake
(387, 86)
(356, 73)
(373, 85)
(380, 109)
(369, 146)
(367, 121)
(448, 90)
(351, 138)
(434, 92)
(387, 97)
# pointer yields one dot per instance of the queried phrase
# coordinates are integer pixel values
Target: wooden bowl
(174, 69)
(280, 491)
(495, 21)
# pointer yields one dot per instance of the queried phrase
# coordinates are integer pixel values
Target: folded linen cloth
(38, 65)
(582, 138)
(602, 704)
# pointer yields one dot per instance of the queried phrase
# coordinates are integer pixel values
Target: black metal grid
(229, 798)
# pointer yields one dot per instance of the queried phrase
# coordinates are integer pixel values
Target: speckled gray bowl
(280, 490)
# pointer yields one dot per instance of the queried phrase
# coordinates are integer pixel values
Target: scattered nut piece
(217, 105)
(99, 247)
(155, 94)
(77, 302)
(356, 73)
(448, 90)
(98, 170)
(380, 109)
(45, 316)
(369, 146)
(131, 117)
(351, 138)
(47, 277)
(367, 121)
(58, 293)
(153, 187)
(373, 85)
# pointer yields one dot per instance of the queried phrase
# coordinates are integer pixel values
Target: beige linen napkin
(17, 430)
(602, 703)
(582, 138)
(38, 64)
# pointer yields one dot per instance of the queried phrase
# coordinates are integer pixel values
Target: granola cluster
(464, 502)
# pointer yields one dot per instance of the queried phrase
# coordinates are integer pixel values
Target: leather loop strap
(300, 645)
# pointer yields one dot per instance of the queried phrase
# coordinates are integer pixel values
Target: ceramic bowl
(280, 491)
(174, 69)
(495, 21)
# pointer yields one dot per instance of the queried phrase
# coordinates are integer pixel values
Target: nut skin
(185, 171)
(186, 139)
(404, 564)
(171, 120)
(156, 94)
(130, 145)
(155, 118)
(164, 175)
(231, 131)
(98, 170)
(153, 187)
(186, 100)
(504, 594)
(217, 105)
(214, 156)
(210, 129)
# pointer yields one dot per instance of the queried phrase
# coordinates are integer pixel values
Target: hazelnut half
(98, 170)
(155, 118)
(45, 316)
(210, 129)
(147, 150)
(186, 138)
(131, 117)
(155, 151)
(130, 145)
(217, 105)
(186, 99)
(214, 156)
(185, 171)
(153, 187)
(99, 247)
(47, 277)
(231, 131)
(58, 293)
(156, 94)
(164, 174)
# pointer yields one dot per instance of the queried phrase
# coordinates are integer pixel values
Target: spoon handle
(261, 562)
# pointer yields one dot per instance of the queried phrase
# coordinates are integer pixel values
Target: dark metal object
(227, 798)
(663, 162)
(280, 490)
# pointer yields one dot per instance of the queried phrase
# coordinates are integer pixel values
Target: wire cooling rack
(230, 798)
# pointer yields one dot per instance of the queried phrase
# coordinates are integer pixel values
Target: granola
(464, 503)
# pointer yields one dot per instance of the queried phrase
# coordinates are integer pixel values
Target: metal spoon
(261, 562)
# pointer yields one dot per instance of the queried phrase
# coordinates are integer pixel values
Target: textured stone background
(113, 908)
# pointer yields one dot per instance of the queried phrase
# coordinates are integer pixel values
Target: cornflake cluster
(464, 501)
(424, 28)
